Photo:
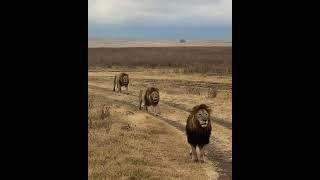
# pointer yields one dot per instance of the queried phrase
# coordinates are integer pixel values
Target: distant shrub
(105, 112)
(212, 92)
(99, 115)
(182, 41)
(193, 90)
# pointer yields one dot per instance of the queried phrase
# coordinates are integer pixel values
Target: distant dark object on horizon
(182, 41)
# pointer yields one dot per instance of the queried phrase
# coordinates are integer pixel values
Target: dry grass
(193, 90)
(214, 60)
(165, 73)
(99, 115)
(212, 92)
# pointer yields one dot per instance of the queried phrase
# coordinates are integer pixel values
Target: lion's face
(125, 79)
(202, 116)
(154, 96)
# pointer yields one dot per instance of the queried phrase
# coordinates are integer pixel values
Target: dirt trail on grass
(223, 122)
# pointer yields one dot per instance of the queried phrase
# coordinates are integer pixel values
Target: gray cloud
(160, 12)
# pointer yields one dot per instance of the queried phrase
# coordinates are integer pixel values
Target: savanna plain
(128, 143)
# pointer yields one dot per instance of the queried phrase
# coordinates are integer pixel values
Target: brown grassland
(125, 143)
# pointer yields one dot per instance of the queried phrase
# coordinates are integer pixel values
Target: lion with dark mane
(151, 98)
(120, 80)
(198, 129)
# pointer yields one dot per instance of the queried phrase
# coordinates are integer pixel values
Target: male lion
(121, 80)
(198, 129)
(151, 98)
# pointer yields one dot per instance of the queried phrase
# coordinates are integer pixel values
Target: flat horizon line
(158, 39)
(118, 43)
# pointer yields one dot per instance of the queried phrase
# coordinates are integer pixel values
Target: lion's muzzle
(204, 123)
(155, 99)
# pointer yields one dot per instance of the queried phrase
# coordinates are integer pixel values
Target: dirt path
(182, 107)
(175, 82)
(219, 157)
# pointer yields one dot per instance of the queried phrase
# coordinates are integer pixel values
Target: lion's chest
(122, 83)
(198, 137)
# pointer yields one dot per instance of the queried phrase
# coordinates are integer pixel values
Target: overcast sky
(160, 19)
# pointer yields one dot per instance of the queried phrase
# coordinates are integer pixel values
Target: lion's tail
(114, 83)
(140, 99)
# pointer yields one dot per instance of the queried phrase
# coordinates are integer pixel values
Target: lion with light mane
(151, 98)
(120, 80)
(198, 130)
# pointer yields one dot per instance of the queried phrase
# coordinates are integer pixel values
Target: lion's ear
(195, 109)
(204, 106)
(209, 109)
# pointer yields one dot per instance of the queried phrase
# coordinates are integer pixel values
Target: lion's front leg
(118, 87)
(146, 108)
(156, 110)
(194, 153)
(202, 153)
